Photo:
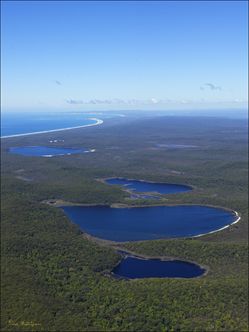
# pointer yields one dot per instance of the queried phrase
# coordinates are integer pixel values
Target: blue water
(143, 186)
(44, 151)
(133, 267)
(147, 223)
(30, 122)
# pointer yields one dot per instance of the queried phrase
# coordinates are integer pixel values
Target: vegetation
(55, 279)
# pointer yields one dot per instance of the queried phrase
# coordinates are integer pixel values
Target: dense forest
(56, 278)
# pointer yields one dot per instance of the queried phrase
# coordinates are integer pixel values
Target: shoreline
(98, 122)
(60, 202)
(220, 229)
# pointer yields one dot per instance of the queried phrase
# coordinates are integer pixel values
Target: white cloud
(210, 86)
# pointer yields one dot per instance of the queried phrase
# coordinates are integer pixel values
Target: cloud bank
(153, 102)
(117, 101)
(210, 86)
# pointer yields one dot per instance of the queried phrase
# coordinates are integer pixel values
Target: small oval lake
(46, 151)
(134, 267)
(143, 186)
(147, 223)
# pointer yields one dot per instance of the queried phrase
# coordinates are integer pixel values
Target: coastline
(98, 122)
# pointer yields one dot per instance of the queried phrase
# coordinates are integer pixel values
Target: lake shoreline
(60, 203)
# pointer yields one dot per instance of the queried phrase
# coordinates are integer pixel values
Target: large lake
(45, 151)
(146, 223)
(143, 186)
(134, 267)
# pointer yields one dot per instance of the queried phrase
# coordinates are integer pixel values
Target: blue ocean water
(45, 151)
(143, 186)
(133, 267)
(147, 223)
(30, 122)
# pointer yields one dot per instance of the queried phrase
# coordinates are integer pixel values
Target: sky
(118, 55)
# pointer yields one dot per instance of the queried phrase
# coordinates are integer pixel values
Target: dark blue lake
(133, 267)
(147, 223)
(45, 151)
(143, 186)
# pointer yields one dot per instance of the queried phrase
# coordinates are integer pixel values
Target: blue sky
(124, 55)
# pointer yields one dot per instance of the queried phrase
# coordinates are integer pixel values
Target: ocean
(26, 123)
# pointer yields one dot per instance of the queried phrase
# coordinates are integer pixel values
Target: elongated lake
(134, 267)
(143, 186)
(46, 151)
(147, 223)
